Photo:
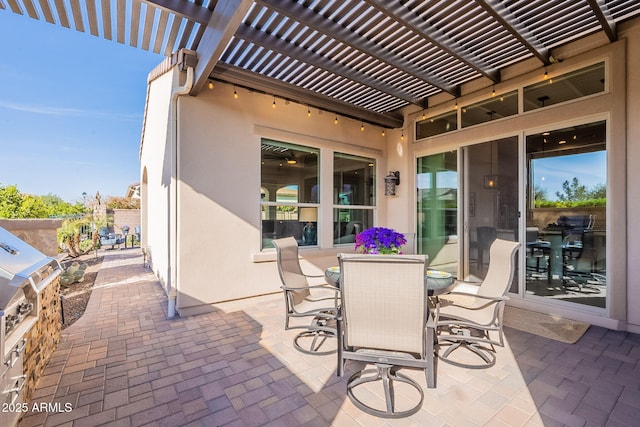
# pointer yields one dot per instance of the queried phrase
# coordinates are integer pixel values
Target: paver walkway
(125, 364)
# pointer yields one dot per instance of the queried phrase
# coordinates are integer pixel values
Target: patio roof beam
(278, 45)
(224, 22)
(605, 20)
(511, 23)
(184, 9)
(306, 16)
(268, 85)
(407, 18)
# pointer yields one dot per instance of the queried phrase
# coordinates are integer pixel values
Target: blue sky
(71, 109)
(551, 172)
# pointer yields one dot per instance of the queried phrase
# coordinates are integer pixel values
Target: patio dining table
(437, 282)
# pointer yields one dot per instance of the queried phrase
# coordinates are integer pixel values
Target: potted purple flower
(379, 240)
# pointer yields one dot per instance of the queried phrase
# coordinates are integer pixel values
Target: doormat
(544, 325)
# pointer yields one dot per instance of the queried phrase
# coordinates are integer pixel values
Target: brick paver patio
(125, 364)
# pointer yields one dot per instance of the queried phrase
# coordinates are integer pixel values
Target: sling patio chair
(302, 300)
(467, 316)
(383, 317)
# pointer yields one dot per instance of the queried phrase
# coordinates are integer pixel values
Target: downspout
(173, 291)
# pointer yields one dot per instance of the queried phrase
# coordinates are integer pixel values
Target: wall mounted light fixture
(390, 182)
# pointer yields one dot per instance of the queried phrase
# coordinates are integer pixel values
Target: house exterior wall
(156, 169)
(616, 106)
(217, 176)
(632, 159)
(219, 189)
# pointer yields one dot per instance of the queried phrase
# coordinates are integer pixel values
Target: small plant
(380, 240)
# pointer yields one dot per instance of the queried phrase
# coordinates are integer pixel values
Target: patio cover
(364, 59)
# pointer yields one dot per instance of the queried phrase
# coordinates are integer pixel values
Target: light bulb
(308, 112)
(274, 103)
(335, 122)
(210, 85)
(362, 127)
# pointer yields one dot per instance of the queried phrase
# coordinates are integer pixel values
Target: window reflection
(353, 186)
(566, 214)
(577, 84)
(289, 185)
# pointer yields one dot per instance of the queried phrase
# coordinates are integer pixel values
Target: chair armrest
(474, 302)
(313, 275)
(325, 286)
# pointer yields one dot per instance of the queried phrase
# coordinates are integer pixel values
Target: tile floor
(125, 364)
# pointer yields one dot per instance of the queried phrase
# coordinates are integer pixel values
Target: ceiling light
(308, 112)
(362, 127)
(493, 93)
(383, 132)
(210, 85)
(335, 121)
(235, 94)
(274, 103)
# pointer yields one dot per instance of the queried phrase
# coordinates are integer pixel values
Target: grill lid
(19, 262)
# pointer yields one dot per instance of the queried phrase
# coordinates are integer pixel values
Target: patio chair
(465, 318)
(383, 322)
(318, 302)
(108, 238)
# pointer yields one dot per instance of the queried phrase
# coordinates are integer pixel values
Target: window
(496, 107)
(353, 196)
(566, 87)
(289, 192)
(436, 125)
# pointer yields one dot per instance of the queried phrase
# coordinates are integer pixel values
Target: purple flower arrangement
(379, 240)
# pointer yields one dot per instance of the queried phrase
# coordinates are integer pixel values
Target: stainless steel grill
(24, 273)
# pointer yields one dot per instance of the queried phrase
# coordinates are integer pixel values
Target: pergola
(364, 59)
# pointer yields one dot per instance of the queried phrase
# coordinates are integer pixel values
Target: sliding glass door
(566, 214)
(489, 207)
(491, 201)
(437, 210)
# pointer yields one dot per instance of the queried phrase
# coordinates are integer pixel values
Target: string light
(210, 84)
(235, 93)
(383, 132)
(424, 116)
(362, 127)
(402, 135)
(493, 93)
(274, 102)
(335, 121)
(546, 75)
(308, 112)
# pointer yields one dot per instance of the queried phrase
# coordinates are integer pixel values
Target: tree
(572, 192)
(14, 204)
(539, 194)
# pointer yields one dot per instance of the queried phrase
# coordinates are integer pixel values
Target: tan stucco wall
(42, 234)
(156, 158)
(613, 106)
(219, 176)
(218, 224)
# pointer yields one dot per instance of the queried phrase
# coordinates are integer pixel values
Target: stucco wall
(156, 160)
(219, 187)
(42, 234)
(217, 233)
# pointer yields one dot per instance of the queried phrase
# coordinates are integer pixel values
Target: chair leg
(431, 357)
(318, 332)
(384, 373)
